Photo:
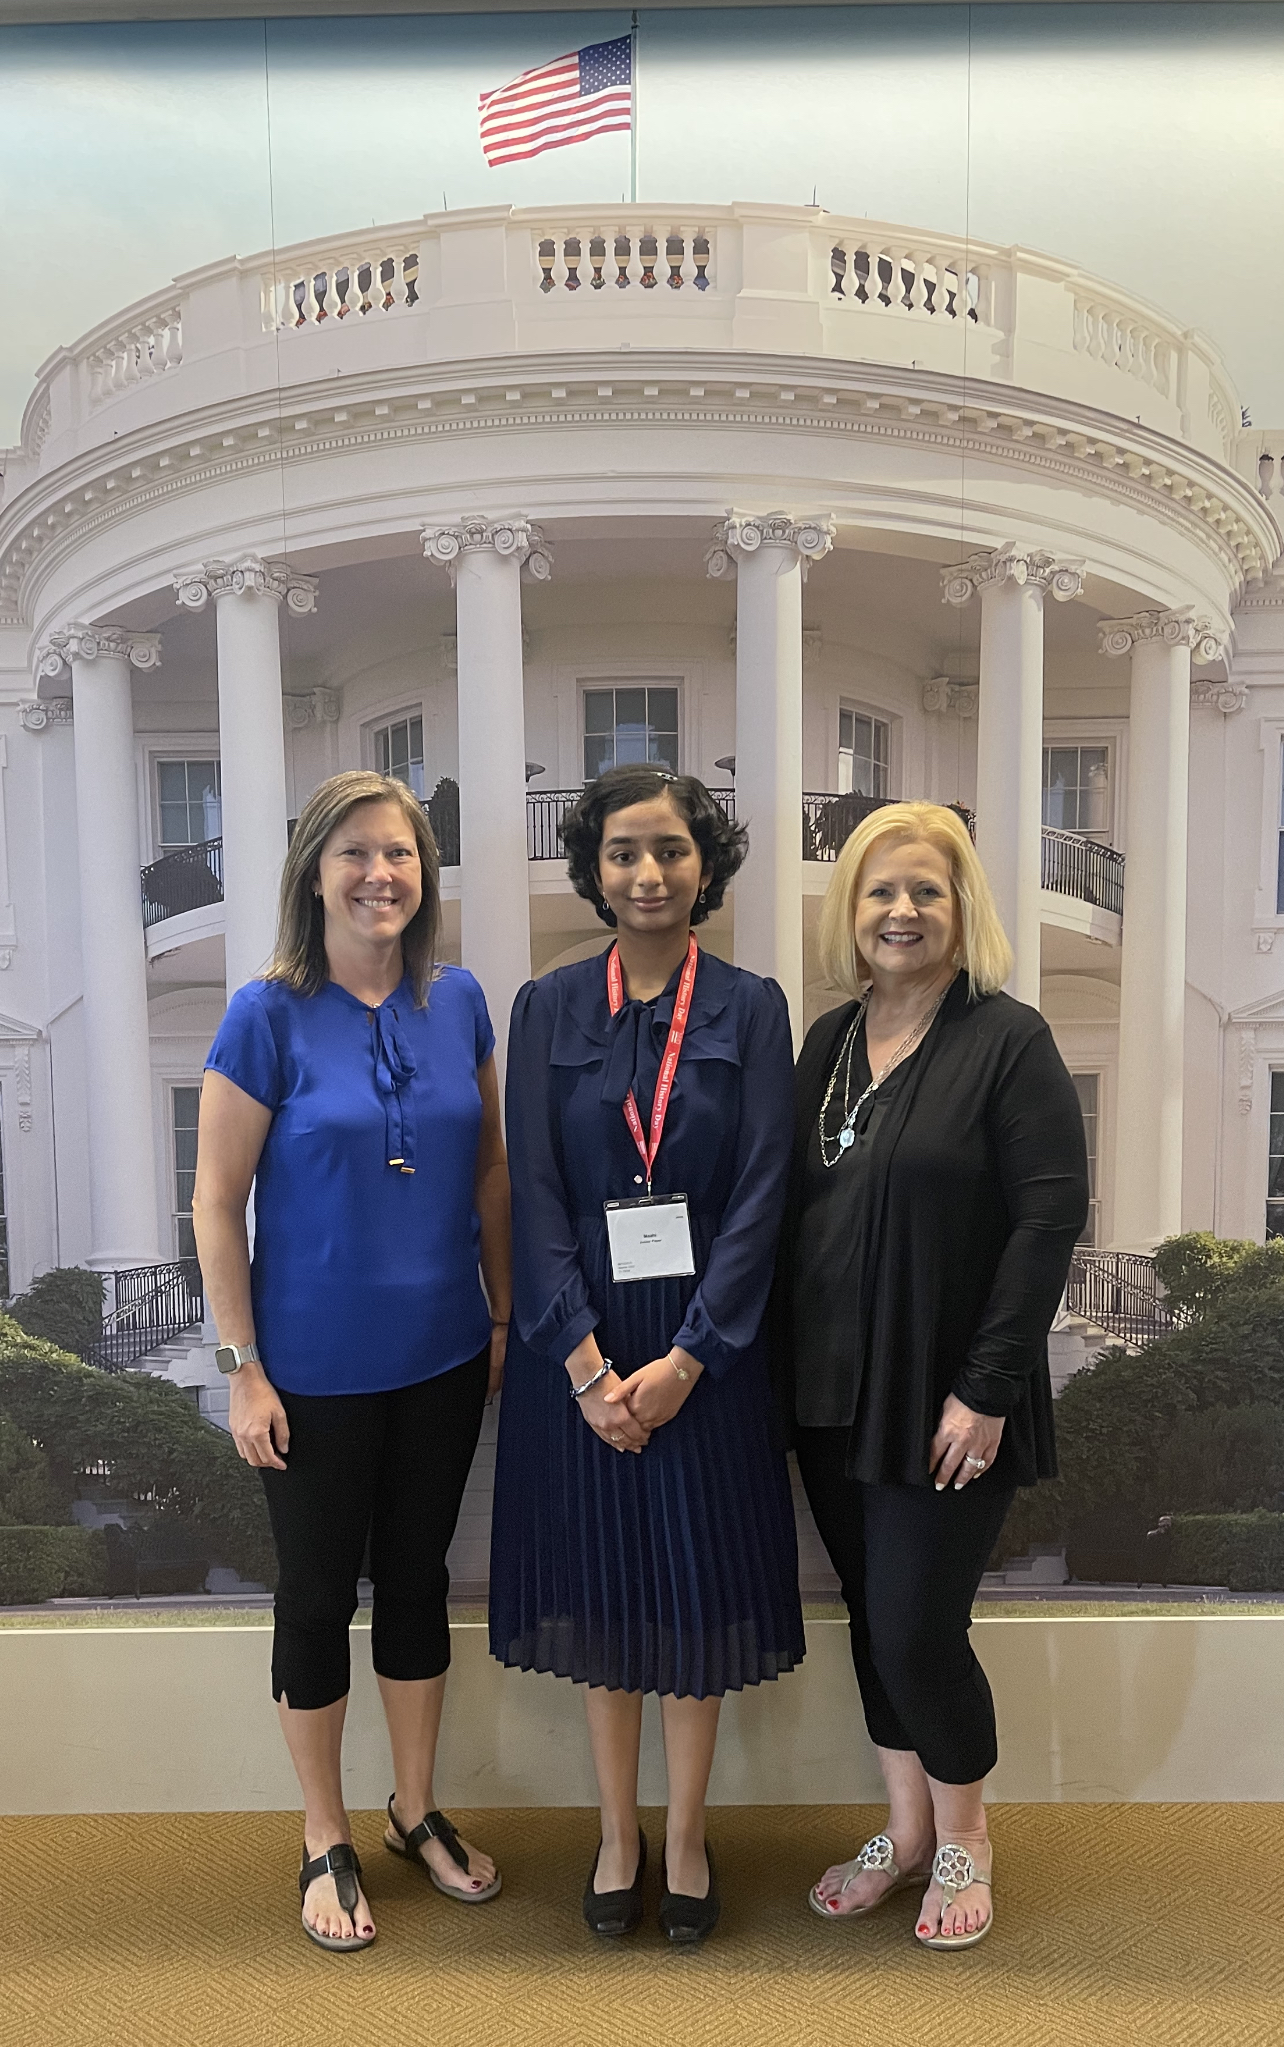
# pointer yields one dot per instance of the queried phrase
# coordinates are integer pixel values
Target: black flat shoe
(612, 1913)
(687, 1921)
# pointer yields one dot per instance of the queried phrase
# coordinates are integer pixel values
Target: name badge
(650, 1238)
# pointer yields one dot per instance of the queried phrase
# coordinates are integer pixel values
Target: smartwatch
(229, 1357)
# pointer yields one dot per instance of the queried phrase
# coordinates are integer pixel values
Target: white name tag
(650, 1238)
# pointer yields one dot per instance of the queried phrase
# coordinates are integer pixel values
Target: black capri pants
(910, 1560)
(392, 1466)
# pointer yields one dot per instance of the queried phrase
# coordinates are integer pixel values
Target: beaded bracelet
(577, 1392)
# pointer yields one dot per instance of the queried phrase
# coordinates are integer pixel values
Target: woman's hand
(961, 1434)
(654, 1395)
(609, 1418)
(256, 1418)
(498, 1352)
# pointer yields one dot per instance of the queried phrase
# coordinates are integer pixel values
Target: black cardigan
(979, 1191)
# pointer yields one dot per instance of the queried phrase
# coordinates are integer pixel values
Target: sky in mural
(1143, 142)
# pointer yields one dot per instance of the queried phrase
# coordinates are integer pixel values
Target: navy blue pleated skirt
(672, 1572)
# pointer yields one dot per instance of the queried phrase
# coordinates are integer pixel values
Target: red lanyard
(672, 1052)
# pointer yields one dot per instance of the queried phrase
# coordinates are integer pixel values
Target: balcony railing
(1120, 1292)
(192, 878)
(153, 1305)
(1079, 867)
(189, 879)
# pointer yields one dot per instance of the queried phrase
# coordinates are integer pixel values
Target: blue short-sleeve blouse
(366, 1239)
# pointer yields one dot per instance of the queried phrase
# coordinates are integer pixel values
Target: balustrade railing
(1121, 1293)
(1083, 868)
(153, 1305)
(884, 275)
(188, 879)
(341, 285)
(1114, 333)
(624, 258)
(151, 346)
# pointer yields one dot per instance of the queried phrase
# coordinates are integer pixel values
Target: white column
(1012, 583)
(1152, 994)
(247, 594)
(485, 558)
(124, 1227)
(770, 557)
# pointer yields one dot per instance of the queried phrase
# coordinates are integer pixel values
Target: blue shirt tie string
(394, 1067)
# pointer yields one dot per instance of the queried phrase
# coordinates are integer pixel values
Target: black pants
(910, 1560)
(392, 1466)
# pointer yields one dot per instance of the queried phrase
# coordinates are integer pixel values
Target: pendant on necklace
(846, 1139)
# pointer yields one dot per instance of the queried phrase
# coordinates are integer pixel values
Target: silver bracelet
(577, 1392)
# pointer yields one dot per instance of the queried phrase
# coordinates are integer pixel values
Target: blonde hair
(300, 957)
(982, 946)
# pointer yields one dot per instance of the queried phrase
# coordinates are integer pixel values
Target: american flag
(586, 93)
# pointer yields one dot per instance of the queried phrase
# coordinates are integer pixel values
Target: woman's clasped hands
(624, 1412)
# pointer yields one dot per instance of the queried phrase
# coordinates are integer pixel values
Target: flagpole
(633, 110)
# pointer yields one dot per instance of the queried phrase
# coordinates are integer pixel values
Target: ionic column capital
(79, 642)
(1011, 563)
(1179, 628)
(1226, 697)
(951, 699)
(247, 574)
(511, 539)
(39, 716)
(742, 533)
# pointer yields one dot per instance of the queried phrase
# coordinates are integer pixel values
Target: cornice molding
(80, 645)
(246, 574)
(511, 539)
(1203, 499)
(989, 568)
(1177, 628)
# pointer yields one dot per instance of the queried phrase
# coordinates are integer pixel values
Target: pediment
(1270, 1009)
(14, 1032)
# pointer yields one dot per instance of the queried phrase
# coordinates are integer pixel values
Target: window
(1279, 870)
(1076, 789)
(1087, 1087)
(863, 749)
(1275, 1165)
(185, 1106)
(4, 1232)
(399, 752)
(636, 723)
(190, 802)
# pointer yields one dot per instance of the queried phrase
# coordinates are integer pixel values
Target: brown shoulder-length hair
(300, 959)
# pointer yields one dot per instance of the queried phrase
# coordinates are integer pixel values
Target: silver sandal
(954, 1870)
(877, 1856)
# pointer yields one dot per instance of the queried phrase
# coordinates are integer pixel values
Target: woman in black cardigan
(939, 1185)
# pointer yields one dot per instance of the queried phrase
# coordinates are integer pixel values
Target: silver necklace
(845, 1136)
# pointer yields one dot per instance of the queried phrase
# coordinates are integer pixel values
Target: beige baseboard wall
(181, 1720)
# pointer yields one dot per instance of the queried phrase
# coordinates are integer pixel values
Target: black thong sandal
(434, 1826)
(343, 1864)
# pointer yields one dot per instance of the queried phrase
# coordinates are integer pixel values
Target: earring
(605, 904)
(703, 893)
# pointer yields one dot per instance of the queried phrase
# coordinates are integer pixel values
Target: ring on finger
(977, 1463)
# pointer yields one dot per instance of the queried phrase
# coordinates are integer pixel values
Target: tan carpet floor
(1114, 1924)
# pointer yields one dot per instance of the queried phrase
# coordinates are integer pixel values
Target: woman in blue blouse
(643, 1531)
(354, 1089)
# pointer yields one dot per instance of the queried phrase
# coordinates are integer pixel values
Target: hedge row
(1242, 1551)
(51, 1563)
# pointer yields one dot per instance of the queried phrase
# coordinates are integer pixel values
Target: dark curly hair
(722, 842)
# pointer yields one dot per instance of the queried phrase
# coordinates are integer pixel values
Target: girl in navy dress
(643, 1530)
(354, 1087)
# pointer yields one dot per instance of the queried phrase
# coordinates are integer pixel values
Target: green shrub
(64, 1307)
(1223, 1460)
(50, 1563)
(28, 1494)
(1196, 1269)
(149, 1442)
(1242, 1551)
